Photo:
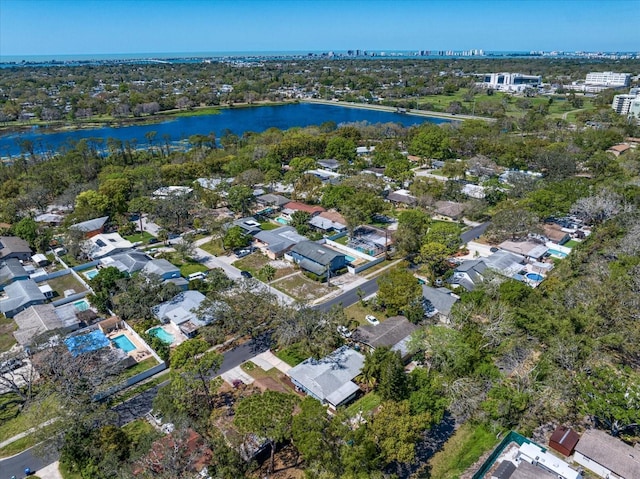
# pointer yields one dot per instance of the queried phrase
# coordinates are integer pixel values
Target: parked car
(199, 275)
(241, 253)
(246, 274)
(372, 319)
(153, 241)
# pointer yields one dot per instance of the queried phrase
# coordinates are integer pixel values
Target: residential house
(162, 268)
(91, 227)
(564, 440)
(128, 262)
(181, 312)
(330, 379)
(544, 461)
(438, 302)
(11, 270)
(528, 249)
(106, 244)
(19, 296)
(39, 259)
(556, 233)
(402, 197)
(51, 219)
(468, 274)
(294, 206)
(505, 263)
(329, 164)
(171, 191)
(370, 240)
(473, 191)
(317, 258)
(606, 456)
(365, 150)
(619, 149)
(248, 225)
(213, 183)
(273, 201)
(449, 210)
(327, 177)
(393, 333)
(38, 319)
(275, 243)
(14, 247)
(329, 222)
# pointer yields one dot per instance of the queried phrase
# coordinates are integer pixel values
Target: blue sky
(50, 27)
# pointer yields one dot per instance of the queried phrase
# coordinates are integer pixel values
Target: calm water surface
(238, 121)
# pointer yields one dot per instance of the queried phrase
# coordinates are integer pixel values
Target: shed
(564, 440)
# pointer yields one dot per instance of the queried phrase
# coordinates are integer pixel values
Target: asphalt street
(35, 459)
(351, 296)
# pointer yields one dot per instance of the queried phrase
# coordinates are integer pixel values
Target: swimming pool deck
(140, 353)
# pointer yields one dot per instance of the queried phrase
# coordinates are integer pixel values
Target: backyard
(7, 326)
(65, 282)
(273, 379)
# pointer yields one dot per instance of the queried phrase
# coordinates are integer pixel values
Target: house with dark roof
(317, 258)
(11, 270)
(468, 274)
(402, 197)
(19, 296)
(273, 200)
(438, 302)
(449, 210)
(607, 456)
(329, 164)
(393, 333)
(275, 243)
(554, 232)
(250, 226)
(162, 268)
(14, 247)
(329, 379)
(91, 227)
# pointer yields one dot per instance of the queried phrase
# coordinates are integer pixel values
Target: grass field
(366, 403)
(302, 288)
(189, 268)
(252, 263)
(63, 283)
(214, 247)
(357, 312)
(7, 326)
(292, 355)
(144, 237)
(462, 450)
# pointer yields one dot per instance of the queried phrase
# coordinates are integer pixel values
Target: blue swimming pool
(282, 220)
(160, 333)
(555, 252)
(86, 342)
(123, 343)
(534, 277)
(350, 259)
(91, 273)
(81, 305)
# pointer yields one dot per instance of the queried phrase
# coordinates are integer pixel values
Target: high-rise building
(622, 103)
(608, 79)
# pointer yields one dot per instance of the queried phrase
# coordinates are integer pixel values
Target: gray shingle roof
(388, 333)
(273, 200)
(10, 270)
(90, 225)
(13, 244)
(326, 378)
(610, 452)
(128, 262)
(316, 252)
(280, 239)
(20, 293)
(441, 298)
(160, 267)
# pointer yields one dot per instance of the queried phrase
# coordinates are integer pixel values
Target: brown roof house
(91, 227)
(619, 149)
(607, 456)
(564, 440)
(449, 209)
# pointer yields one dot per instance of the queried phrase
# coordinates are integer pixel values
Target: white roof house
(107, 244)
(329, 379)
(181, 312)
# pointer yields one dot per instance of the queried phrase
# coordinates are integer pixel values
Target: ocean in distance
(237, 120)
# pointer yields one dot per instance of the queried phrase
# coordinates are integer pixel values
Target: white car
(372, 319)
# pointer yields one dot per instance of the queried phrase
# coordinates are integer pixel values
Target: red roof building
(564, 440)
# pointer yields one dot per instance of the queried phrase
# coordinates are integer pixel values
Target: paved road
(33, 458)
(474, 233)
(351, 296)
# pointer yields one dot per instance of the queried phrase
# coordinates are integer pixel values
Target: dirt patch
(270, 384)
(285, 465)
(302, 288)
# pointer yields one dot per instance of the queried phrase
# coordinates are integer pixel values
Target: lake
(238, 120)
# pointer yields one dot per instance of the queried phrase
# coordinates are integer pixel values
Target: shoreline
(393, 109)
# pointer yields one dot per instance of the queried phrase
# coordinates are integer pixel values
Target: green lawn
(357, 312)
(214, 247)
(253, 262)
(63, 283)
(7, 326)
(343, 240)
(190, 268)
(268, 225)
(144, 237)
(571, 244)
(141, 366)
(462, 450)
(292, 355)
(366, 403)
(302, 288)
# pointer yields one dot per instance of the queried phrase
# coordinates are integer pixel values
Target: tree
(300, 221)
(340, 148)
(447, 234)
(412, 225)
(28, 230)
(433, 255)
(430, 142)
(268, 415)
(240, 198)
(398, 288)
(511, 221)
(236, 238)
(267, 272)
(313, 437)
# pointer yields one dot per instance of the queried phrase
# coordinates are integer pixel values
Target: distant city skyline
(93, 27)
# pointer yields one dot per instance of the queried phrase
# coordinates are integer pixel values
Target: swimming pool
(558, 254)
(282, 220)
(86, 342)
(534, 277)
(350, 259)
(91, 273)
(160, 333)
(81, 305)
(124, 343)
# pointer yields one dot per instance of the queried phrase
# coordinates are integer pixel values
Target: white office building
(608, 79)
(622, 103)
(510, 81)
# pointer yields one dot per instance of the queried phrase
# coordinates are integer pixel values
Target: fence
(509, 438)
